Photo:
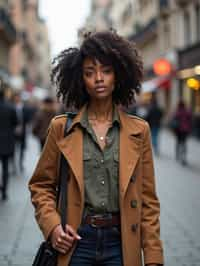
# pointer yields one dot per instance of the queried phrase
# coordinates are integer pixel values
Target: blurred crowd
(181, 122)
(18, 118)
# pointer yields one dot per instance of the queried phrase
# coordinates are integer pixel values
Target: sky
(63, 21)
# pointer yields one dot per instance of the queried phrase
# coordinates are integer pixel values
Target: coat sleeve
(150, 227)
(43, 185)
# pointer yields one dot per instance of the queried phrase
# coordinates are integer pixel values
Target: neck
(100, 110)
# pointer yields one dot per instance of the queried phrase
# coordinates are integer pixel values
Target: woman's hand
(63, 241)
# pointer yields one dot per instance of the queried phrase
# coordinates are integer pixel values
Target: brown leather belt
(102, 220)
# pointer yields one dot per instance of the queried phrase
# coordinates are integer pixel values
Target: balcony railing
(7, 27)
(145, 33)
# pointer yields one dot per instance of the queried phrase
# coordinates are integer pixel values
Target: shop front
(189, 76)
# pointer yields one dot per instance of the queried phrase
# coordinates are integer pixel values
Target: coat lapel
(130, 148)
(72, 148)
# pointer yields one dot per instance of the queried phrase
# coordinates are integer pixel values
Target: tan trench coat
(139, 205)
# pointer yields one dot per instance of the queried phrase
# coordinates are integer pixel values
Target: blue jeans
(98, 247)
(155, 134)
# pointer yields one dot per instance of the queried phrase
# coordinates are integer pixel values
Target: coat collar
(130, 146)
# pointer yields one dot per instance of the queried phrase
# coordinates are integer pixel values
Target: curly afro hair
(108, 48)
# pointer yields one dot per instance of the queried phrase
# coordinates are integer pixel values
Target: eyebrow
(92, 67)
(88, 67)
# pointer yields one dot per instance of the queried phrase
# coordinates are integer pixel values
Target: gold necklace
(99, 120)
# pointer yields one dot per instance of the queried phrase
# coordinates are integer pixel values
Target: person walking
(24, 116)
(8, 122)
(113, 209)
(182, 120)
(42, 120)
(154, 118)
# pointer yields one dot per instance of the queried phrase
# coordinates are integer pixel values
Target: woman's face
(99, 79)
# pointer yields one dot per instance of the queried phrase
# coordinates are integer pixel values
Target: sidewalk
(178, 190)
(167, 142)
(19, 234)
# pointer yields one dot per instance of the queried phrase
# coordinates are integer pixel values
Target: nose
(99, 76)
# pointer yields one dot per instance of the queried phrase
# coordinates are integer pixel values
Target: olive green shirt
(101, 168)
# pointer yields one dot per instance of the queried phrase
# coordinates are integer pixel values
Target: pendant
(101, 138)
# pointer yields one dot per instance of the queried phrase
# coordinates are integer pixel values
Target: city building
(43, 60)
(25, 50)
(30, 57)
(98, 19)
(8, 37)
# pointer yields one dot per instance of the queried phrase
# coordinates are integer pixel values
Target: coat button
(134, 227)
(133, 203)
(132, 178)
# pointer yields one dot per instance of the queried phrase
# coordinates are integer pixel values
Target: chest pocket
(89, 164)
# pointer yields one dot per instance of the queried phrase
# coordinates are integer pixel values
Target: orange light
(193, 84)
(162, 67)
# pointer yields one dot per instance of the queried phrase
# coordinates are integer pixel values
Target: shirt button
(102, 182)
(103, 204)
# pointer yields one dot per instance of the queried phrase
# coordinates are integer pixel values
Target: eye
(88, 74)
(107, 70)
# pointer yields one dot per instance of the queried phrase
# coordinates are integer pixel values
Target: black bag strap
(64, 177)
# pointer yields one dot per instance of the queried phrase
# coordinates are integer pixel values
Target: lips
(100, 88)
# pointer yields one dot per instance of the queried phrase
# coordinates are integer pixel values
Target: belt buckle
(100, 216)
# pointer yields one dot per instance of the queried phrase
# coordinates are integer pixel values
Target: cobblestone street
(178, 190)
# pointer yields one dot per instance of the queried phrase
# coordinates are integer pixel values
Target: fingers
(72, 232)
(67, 241)
(62, 247)
(63, 241)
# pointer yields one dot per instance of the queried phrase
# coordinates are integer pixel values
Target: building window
(39, 37)
(143, 4)
(197, 9)
(164, 3)
(187, 31)
(166, 29)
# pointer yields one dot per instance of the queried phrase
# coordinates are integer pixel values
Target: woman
(113, 210)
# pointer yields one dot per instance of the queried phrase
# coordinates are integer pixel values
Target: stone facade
(43, 49)
(7, 39)
(31, 46)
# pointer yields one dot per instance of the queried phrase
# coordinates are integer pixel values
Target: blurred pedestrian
(197, 123)
(8, 122)
(113, 209)
(23, 116)
(142, 109)
(182, 123)
(154, 118)
(42, 119)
